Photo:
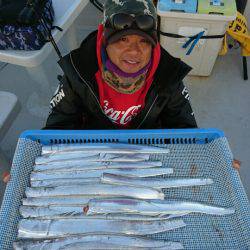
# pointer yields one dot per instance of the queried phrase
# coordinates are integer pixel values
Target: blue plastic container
(188, 6)
(201, 153)
(158, 136)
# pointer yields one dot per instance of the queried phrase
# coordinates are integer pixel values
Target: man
(120, 77)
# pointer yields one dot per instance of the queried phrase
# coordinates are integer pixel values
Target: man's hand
(6, 177)
(236, 164)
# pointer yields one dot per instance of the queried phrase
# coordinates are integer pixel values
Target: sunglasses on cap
(122, 21)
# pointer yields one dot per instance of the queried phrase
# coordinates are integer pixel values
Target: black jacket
(76, 102)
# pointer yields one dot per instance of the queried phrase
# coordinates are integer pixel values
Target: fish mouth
(86, 209)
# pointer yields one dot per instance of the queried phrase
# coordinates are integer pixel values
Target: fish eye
(123, 39)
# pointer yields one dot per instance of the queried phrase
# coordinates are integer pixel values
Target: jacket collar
(170, 71)
(85, 59)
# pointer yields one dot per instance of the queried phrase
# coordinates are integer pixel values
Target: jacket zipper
(99, 102)
(148, 112)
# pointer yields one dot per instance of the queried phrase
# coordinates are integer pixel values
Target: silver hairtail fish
(51, 211)
(151, 207)
(77, 211)
(78, 157)
(120, 148)
(37, 229)
(96, 190)
(66, 156)
(154, 182)
(104, 246)
(64, 182)
(108, 241)
(142, 172)
(59, 200)
(96, 165)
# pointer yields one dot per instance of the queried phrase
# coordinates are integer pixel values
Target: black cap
(134, 8)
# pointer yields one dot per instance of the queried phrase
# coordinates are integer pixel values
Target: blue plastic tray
(193, 153)
(158, 136)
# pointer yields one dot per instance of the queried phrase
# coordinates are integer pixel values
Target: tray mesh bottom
(212, 160)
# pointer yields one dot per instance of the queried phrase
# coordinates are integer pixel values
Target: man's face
(131, 53)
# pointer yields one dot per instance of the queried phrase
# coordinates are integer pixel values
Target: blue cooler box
(188, 6)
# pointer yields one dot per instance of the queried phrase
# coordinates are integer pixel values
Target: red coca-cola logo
(121, 117)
